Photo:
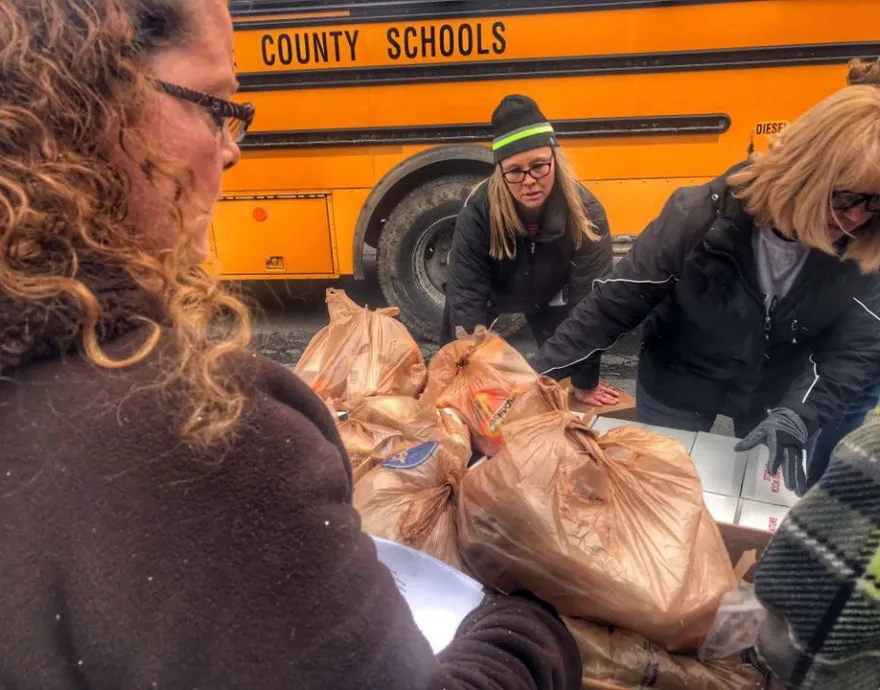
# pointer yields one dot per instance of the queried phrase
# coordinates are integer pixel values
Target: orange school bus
(372, 116)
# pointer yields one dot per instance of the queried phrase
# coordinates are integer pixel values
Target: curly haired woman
(174, 512)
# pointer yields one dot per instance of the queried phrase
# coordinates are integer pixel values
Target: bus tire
(413, 254)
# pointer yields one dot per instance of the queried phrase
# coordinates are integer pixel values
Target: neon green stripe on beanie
(545, 128)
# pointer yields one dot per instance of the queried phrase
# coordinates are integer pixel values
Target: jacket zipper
(768, 317)
(532, 266)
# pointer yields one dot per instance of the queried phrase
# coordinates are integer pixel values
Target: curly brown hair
(73, 86)
(863, 72)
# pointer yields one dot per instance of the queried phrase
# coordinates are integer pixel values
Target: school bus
(373, 116)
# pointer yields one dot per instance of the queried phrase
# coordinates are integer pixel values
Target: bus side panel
(273, 238)
(347, 205)
(632, 204)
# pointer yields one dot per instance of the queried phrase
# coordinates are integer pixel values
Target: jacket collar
(31, 331)
(732, 231)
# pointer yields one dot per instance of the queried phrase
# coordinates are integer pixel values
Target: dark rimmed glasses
(536, 172)
(233, 118)
(845, 201)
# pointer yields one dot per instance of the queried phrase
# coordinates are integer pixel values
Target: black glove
(785, 435)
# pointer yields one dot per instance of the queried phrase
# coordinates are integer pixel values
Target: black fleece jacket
(480, 287)
(708, 343)
(128, 560)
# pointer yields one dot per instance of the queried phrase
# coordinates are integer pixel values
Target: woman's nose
(857, 215)
(231, 155)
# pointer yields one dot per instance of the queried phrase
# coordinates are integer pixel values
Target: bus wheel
(414, 254)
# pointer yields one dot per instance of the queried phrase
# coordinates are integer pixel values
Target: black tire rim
(431, 259)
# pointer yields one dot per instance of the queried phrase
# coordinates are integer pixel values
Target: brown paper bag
(362, 353)
(408, 498)
(617, 659)
(612, 530)
(479, 376)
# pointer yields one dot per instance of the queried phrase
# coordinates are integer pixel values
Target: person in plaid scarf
(820, 577)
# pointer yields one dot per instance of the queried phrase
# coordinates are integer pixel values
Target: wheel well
(406, 176)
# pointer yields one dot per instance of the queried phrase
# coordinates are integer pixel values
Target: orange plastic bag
(545, 396)
(615, 659)
(479, 376)
(375, 429)
(612, 530)
(408, 498)
(362, 353)
(367, 444)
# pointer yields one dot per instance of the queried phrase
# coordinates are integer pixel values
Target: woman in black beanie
(530, 239)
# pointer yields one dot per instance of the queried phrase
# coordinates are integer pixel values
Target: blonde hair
(505, 223)
(834, 146)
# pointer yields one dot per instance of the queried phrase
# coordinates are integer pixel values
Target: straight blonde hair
(505, 223)
(834, 146)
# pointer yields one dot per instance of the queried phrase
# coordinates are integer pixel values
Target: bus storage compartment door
(268, 238)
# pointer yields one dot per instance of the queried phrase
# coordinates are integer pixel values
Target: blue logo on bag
(412, 458)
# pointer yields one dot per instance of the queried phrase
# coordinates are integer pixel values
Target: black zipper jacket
(480, 288)
(708, 343)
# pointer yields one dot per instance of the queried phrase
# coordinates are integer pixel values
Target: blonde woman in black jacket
(759, 290)
(530, 239)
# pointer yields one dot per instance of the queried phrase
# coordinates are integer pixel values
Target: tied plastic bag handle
(421, 516)
(588, 482)
(553, 394)
(341, 305)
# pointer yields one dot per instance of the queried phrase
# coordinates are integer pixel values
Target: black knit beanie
(519, 125)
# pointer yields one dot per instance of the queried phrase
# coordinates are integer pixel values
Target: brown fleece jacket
(128, 561)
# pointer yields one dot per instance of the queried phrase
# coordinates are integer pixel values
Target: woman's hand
(599, 396)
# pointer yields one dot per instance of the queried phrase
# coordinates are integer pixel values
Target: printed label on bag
(412, 458)
(491, 410)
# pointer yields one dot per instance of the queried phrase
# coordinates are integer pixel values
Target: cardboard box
(602, 425)
(685, 438)
(740, 539)
(759, 485)
(624, 409)
(722, 508)
(720, 467)
(761, 516)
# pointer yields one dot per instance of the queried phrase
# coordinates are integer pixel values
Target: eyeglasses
(234, 118)
(537, 171)
(845, 201)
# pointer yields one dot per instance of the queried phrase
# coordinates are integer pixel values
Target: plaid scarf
(820, 577)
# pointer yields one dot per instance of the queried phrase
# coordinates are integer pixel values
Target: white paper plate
(439, 596)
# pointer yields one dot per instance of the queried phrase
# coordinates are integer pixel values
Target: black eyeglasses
(845, 201)
(537, 171)
(234, 118)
